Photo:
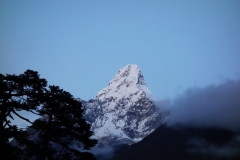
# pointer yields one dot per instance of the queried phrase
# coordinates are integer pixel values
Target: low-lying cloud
(200, 146)
(103, 153)
(211, 106)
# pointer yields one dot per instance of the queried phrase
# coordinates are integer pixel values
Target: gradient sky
(81, 45)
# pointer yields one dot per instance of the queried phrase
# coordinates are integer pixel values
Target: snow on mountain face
(128, 80)
(124, 111)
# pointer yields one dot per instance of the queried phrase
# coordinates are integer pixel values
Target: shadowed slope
(179, 143)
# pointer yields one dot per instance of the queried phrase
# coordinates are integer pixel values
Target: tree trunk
(46, 141)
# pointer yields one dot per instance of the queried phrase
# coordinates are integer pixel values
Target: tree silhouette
(60, 132)
(17, 93)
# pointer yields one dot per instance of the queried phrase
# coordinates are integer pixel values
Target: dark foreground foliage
(59, 133)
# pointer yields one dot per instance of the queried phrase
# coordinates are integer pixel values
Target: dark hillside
(180, 143)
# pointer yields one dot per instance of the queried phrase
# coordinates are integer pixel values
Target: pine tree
(61, 131)
(17, 93)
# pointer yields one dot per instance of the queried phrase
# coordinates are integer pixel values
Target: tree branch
(22, 117)
(11, 116)
(6, 123)
(34, 112)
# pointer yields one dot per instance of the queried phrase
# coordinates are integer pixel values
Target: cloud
(211, 106)
(199, 145)
(103, 153)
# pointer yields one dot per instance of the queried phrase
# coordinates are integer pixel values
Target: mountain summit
(124, 111)
(128, 80)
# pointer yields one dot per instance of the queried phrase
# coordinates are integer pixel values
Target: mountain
(124, 111)
(184, 143)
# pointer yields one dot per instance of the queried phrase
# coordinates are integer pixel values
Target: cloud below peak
(211, 106)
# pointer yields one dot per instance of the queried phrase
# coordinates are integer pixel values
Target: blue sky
(81, 45)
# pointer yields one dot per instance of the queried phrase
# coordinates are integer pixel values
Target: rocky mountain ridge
(124, 111)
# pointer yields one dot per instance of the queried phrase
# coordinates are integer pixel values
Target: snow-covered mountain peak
(131, 74)
(128, 81)
(124, 111)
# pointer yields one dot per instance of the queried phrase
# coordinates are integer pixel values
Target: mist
(214, 106)
(230, 149)
(211, 106)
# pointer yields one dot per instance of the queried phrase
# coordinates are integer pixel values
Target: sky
(81, 45)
